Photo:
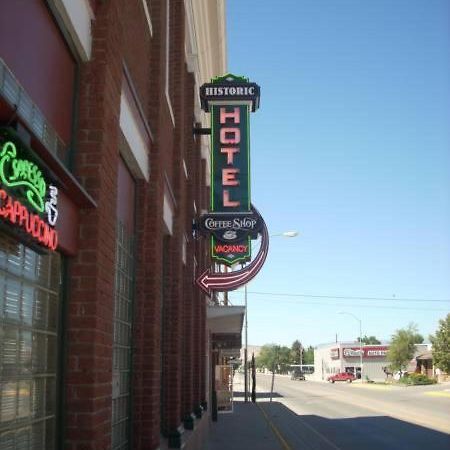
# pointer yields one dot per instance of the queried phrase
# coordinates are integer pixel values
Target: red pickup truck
(341, 376)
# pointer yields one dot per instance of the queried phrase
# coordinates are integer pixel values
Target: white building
(345, 357)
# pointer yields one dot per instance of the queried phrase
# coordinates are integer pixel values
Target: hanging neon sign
(22, 173)
(230, 99)
(22, 181)
(232, 221)
(17, 214)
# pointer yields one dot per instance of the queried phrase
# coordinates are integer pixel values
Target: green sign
(230, 99)
(230, 159)
(26, 177)
(22, 174)
(28, 203)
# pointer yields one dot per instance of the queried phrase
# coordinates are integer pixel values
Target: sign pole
(360, 351)
(253, 378)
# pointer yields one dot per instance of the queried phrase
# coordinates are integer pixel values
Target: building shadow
(358, 433)
(261, 395)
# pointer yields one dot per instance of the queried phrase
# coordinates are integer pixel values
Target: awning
(424, 356)
(225, 324)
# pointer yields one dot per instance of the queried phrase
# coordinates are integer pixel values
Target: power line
(293, 302)
(349, 297)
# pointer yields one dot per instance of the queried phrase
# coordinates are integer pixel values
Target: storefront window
(123, 311)
(29, 311)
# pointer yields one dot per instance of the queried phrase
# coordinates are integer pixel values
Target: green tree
(401, 349)
(369, 340)
(284, 359)
(274, 358)
(441, 345)
(308, 355)
(296, 352)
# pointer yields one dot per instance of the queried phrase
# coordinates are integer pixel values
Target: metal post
(245, 350)
(360, 342)
(273, 371)
(253, 379)
(273, 381)
(360, 351)
(301, 357)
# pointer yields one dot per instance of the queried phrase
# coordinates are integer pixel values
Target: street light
(287, 234)
(360, 341)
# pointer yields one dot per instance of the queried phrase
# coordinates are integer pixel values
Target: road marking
(386, 409)
(320, 435)
(372, 386)
(283, 441)
(279, 436)
(438, 393)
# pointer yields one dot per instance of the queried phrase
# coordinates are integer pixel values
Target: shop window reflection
(29, 311)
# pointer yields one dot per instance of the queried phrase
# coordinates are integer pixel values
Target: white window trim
(168, 214)
(169, 104)
(77, 17)
(184, 249)
(136, 141)
(147, 16)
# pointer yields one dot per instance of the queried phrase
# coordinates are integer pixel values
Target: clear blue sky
(351, 147)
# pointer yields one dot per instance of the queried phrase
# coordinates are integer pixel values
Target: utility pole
(301, 356)
(360, 342)
(360, 351)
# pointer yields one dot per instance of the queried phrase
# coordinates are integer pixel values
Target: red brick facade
(168, 358)
(121, 36)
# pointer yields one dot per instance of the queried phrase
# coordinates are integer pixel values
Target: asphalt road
(340, 416)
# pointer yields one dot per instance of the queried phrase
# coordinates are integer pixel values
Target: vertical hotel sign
(231, 222)
(28, 199)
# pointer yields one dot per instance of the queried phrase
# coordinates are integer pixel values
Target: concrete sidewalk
(243, 429)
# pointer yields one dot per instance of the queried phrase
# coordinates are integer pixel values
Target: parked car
(341, 376)
(297, 375)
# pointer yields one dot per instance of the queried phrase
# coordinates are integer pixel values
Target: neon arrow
(229, 281)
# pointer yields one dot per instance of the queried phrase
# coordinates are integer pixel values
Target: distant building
(251, 349)
(345, 357)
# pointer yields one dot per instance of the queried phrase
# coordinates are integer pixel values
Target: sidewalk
(245, 428)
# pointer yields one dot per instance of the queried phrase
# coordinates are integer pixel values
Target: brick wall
(120, 35)
(91, 273)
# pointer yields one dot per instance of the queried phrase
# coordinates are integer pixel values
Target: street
(341, 416)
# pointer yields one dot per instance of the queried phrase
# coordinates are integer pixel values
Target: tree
(274, 357)
(369, 340)
(441, 345)
(308, 355)
(297, 352)
(401, 349)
